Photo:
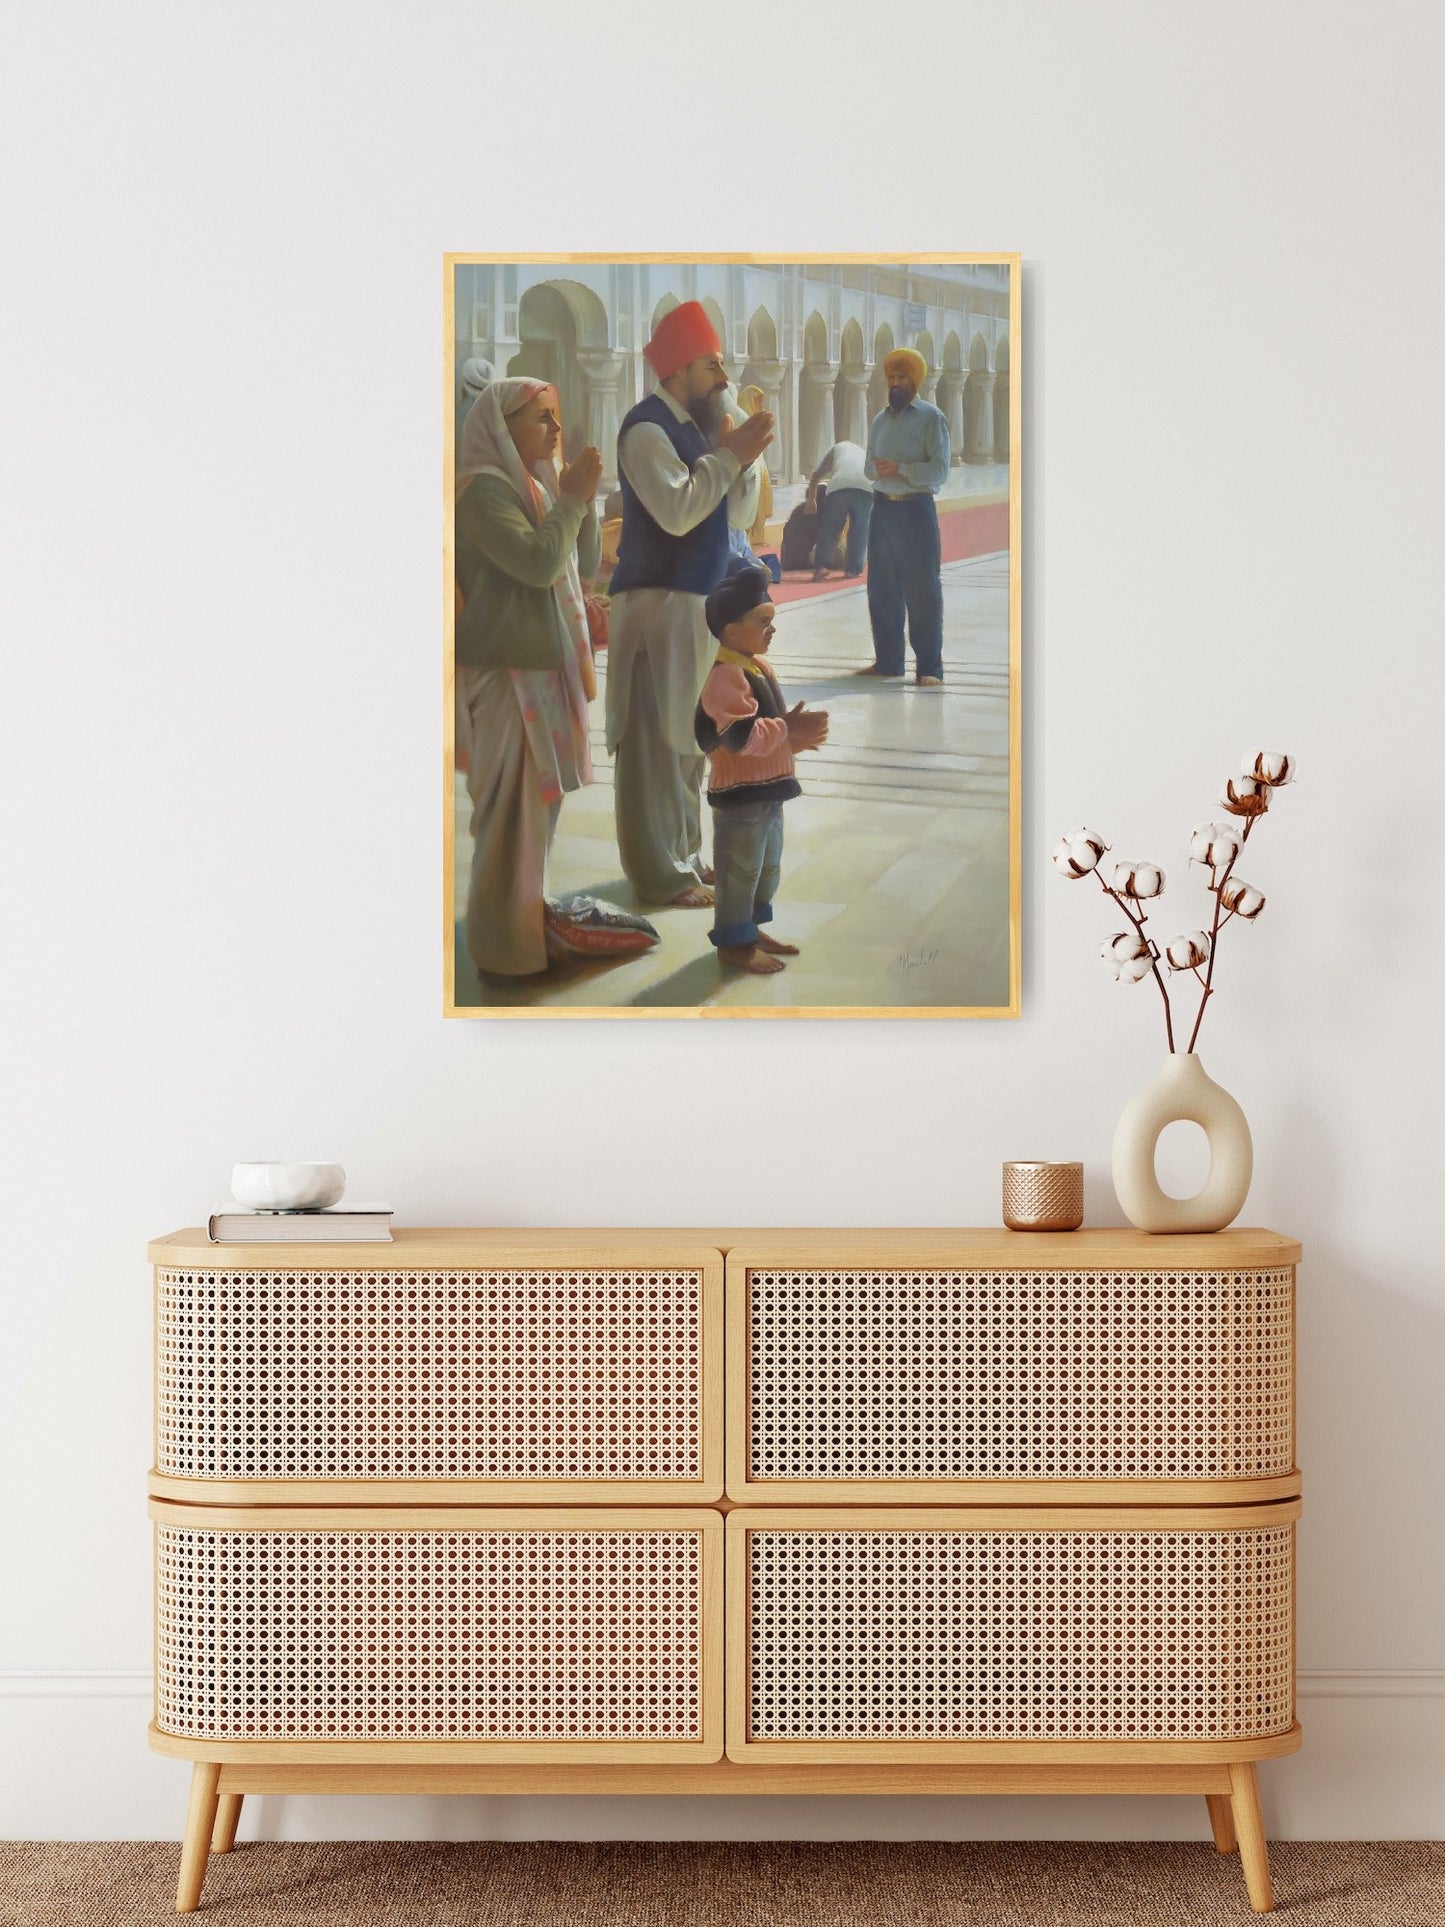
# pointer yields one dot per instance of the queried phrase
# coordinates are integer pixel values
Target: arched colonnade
(563, 335)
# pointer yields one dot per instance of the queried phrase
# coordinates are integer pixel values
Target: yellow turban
(751, 397)
(907, 361)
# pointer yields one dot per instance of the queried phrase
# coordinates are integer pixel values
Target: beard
(708, 412)
(898, 399)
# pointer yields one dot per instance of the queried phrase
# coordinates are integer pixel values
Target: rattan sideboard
(726, 1512)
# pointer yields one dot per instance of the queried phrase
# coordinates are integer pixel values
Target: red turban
(683, 335)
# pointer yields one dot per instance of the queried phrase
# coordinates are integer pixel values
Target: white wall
(222, 401)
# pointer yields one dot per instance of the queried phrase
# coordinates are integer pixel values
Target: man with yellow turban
(908, 462)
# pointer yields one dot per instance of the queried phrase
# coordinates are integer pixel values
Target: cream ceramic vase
(1183, 1091)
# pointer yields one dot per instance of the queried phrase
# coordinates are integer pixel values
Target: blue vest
(647, 556)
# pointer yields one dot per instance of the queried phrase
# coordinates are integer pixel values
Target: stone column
(769, 377)
(877, 392)
(601, 371)
(1001, 417)
(818, 379)
(503, 344)
(856, 426)
(950, 400)
(639, 382)
(789, 419)
(978, 417)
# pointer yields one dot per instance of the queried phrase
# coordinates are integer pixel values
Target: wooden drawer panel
(938, 1384)
(512, 1632)
(556, 1383)
(900, 1634)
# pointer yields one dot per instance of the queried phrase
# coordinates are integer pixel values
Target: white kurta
(669, 624)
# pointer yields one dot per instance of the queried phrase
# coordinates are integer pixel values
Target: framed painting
(732, 636)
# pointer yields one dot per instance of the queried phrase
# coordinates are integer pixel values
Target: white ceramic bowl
(287, 1187)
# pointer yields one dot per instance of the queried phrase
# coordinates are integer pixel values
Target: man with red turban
(908, 461)
(679, 463)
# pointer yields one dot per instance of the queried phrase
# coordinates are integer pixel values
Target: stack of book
(339, 1224)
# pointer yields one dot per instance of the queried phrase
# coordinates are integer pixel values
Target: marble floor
(895, 865)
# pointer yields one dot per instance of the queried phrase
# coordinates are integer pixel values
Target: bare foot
(699, 897)
(746, 957)
(882, 674)
(707, 873)
(776, 949)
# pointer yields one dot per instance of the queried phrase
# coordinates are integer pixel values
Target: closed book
(339, 1224)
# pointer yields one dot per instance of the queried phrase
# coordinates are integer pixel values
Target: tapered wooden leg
(1249, 1828)
(228, 1814)
(200, 1822)
(1220, 1818)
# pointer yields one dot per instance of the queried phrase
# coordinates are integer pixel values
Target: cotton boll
(1270, 766)
(1242, 898)
(1189, 951)
(1078, 852)
(1214, 844)
(1243, 796)
(1138, 880)
(1128, 957)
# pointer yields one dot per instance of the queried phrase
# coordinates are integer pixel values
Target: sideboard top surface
(415, 1247)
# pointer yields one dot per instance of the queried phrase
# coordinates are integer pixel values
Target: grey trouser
(658, 799)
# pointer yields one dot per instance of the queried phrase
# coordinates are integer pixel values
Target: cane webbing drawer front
(567, 1382)
(880, 1382)
(507, 1631)
(907, 1631)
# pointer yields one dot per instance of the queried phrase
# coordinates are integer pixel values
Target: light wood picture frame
(898, 888)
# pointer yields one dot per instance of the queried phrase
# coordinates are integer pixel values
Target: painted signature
(915, 959)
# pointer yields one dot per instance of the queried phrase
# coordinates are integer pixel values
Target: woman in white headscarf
(523, 657)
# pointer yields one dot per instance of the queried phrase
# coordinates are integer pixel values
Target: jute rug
(722, 1884)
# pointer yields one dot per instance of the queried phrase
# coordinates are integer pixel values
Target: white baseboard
(1364, 1686)
(17, 1685)
(1372, 1768)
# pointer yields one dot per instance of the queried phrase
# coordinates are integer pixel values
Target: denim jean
(904, 555)
(839, 505)
(747, 852)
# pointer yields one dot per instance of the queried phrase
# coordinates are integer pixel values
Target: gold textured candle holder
(1043, 1197)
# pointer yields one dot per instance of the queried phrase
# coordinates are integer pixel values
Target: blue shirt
(917, 436)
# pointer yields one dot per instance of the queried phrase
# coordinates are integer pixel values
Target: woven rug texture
(722, 1884)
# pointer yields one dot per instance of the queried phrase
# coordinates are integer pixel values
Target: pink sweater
(766, 757)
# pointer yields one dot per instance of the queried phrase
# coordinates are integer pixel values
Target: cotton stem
(1138, 923)
(1215, 928)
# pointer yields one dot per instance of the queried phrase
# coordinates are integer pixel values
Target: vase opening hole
(1181, 1159)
